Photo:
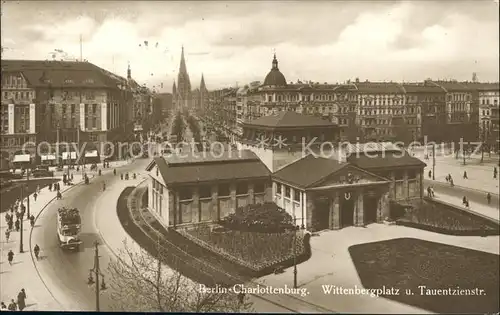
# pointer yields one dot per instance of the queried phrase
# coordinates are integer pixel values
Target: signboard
(104, 116)
(11, 118)
(32, 118)
(82, 117)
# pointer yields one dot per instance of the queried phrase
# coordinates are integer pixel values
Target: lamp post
(433, 161)
(21, 249)
(294, 250)
(96, 271)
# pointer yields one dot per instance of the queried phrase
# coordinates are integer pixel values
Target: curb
(33, 259)
(470, 211)
(463, 187)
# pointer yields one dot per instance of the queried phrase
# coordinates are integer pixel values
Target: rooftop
(289, 119)
(379, 87)
(210, 169)
(387, 160)
(308, 171)
(371, 147)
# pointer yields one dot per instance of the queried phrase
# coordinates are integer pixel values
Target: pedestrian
(121, 176)
(7, 235)
(10, 256)
(451, 182)
(7, 217)
(71, 176)
(3, 307)
(135, 176)
(465, 175)
(10, 224)
(12, 305)
(32, 221)
(35, 195)
(429, 193)
(495, 172)
(488, 197)
(17, 225)
(50, 187)
(114, 171)
(467, 203)
(464, 200)
(36, 250)
(21, 300)
(432, 192)
(59, 195)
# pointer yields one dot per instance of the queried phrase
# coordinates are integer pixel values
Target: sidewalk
(480, 177)
(23, 274)
(487, 211)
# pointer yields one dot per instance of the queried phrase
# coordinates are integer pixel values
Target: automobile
(9, 175)
(42, 173)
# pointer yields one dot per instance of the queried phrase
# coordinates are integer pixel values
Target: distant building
(182, 95)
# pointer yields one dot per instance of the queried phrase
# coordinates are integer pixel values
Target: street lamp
(294, 250)
(96, 272)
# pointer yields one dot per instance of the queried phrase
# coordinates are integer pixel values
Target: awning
(91, 153)
(48, 157)
(22, 158)
(68, 156)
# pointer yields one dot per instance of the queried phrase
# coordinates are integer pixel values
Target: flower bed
(257, 251)
(443, 219)
(263, 218)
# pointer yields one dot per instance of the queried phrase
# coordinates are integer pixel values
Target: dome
(275, 77)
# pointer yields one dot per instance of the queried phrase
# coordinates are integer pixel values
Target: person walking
(432, 192)
(488, 197)
(12, 306)
(10, 256)
(465, 175)
(7, 235)
(121, 176)
(50, 187)
(114, 171)
(36, 250)
(32, 221)
(495, 172)
(59, 195)
(35, 195)
(10, 224)
(17, 225)
(21, 300)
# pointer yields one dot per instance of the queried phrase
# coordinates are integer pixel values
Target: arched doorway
(346, 208)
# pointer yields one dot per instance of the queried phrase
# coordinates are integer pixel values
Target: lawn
(443, 219)
(256, 250)
(408, 263)
(9, 194)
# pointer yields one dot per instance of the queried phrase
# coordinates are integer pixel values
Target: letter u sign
(347, 195)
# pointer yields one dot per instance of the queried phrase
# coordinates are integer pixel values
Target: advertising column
(11, 118)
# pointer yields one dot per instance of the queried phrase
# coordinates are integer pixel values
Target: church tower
(203, 102)
(182, 96)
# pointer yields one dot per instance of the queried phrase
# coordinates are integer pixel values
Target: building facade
(61, 101)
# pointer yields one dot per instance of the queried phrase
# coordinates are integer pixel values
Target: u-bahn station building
(286, 159)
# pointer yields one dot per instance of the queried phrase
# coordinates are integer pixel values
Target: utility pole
(28, 199)
(433, 161)
(482, 144)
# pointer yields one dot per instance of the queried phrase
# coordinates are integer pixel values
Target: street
(474, 196)
(65, 273)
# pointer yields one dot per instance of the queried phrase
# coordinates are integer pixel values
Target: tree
(140, 283)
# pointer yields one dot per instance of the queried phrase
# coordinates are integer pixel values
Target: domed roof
(275, 77)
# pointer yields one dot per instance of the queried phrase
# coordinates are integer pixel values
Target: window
(186, 194)
(205, 192)
(94, 108)
(278, 188)
(296, 196)
(259, 188)
(73, 106)
(224, 190)
(242, 189)
(287, 192)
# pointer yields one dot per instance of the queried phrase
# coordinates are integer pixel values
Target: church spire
(275, 63)
(174, 89)
(182, 68)
(202, 84)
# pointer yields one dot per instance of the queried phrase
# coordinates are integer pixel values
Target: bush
(265, 218)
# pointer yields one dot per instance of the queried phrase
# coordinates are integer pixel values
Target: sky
(232, 42)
